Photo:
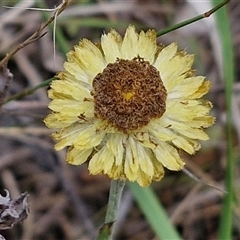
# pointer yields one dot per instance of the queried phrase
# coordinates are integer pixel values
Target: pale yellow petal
(158, 170)
(166, 54)
(85, 61)
(188, 145)
(81, 135)
(69, 135)
(168, 156)
(172, 72)
(143, 180)
(111, 44)
(144, 138)
(131, 165)
(172, 82)
(89, 137)
(101, 162)
(129, 48)
(115, 144)
(68, 89)
(188, 131)
(78, 157)
(159, 131)
(116, 172)
(90, 58)
(141, 155)
(74, 68)
(141, 44)
(186, 87)
(203, 89)
(205, 121)
(146, 45)
(182, 142)
(59, 120)
(187, 110)
(67, 112)
(71, 106)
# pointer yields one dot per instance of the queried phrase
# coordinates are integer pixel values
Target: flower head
(128, 106)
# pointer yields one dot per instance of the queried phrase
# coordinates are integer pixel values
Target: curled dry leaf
(13, 211)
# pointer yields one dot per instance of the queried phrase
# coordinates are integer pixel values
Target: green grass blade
(154, 212)
(60, 39)
(222, 18)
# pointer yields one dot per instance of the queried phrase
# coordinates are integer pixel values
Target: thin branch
(192, 20)
(9, 76)
(36, 35)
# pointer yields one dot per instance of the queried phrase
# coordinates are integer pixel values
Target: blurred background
(65, 201)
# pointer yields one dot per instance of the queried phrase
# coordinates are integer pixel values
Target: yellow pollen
(128, 96)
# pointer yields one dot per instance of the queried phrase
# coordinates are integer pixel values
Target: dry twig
(37, 34)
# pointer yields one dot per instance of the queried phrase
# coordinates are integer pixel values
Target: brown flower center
(128, 94)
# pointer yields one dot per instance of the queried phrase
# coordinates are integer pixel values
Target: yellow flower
(128, 106)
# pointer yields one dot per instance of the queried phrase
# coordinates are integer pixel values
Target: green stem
(192, 20)
(114, 199)
(115, 194)
(28, 91)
